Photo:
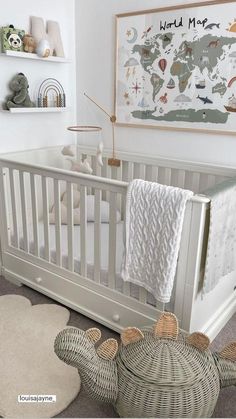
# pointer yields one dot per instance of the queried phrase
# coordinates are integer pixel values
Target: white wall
(24, 131)
(95, 23)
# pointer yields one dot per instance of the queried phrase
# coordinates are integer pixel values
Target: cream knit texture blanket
(154, 220)
(221, 249)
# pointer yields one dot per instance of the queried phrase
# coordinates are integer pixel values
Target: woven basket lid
(165, 361)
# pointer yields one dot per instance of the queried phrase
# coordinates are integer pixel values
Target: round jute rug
(28, 365)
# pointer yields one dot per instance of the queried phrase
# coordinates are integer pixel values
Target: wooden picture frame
(176, 68)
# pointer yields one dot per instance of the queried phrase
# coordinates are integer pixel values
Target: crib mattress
(89, 244)
(89, 249)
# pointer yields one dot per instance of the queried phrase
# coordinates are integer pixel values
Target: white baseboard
(220, 317)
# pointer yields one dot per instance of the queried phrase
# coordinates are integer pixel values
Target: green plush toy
(20, 97)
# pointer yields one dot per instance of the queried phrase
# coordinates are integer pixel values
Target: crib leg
(12, 279)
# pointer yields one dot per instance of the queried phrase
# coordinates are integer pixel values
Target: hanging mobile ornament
(113, 161)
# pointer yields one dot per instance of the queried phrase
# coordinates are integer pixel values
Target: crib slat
(136, 171)
(116, 174)
(94, 164)
(83, 230)
(24, 212)
(104, 172)
(126, 288)
(70, 226)
(206, 181)
(14, 212)
(139, 171)
(211, 181)
(125, 178)
(142, 295)
(126, 175)
(195, 182)
(164, 175)
(168, 176)
(97, 235)
(4, 219)
(125, 171)
(98, 170)
(57, 203)
(34, 214)
(174, 177)
(188, 180)
(94, 167)
(149, 173)
(45, 218)
(181, 178)
(192, 181)
(112, 241)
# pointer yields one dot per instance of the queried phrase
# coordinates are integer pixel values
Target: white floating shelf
(29, 56)
(35, 110)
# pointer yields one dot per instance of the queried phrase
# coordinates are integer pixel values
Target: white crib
(79, 265)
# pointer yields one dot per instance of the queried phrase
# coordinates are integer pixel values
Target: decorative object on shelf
(43, 48)
(52, 35)
(163, 66)
(113, 161)
(29, 43)
(155, 373)
(12, 39)
(20, 97)
(51, 93)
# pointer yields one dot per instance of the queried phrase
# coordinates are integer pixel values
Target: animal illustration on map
(145, 33)
(214, 44)
(163, 99)
(188, 50)
(204, 99)
(212, 25)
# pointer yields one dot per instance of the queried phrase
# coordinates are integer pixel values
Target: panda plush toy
(12, 39)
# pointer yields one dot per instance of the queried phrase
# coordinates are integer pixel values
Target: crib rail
(25, 186)
(183, 174)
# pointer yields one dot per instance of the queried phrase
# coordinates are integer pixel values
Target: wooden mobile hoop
(84, 128)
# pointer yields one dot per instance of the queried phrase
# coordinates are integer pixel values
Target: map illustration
(178, 68)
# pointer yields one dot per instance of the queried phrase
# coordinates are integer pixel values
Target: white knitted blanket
(154, 220)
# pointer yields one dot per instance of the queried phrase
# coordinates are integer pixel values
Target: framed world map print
(176, 67)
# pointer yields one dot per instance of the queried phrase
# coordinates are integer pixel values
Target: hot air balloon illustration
(162, 64)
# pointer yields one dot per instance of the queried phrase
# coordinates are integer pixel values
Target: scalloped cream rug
(28, 365)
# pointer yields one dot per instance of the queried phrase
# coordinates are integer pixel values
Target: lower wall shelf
(35, 110)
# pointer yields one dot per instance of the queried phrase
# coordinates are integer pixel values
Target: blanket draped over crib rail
(221, 249)
(154, 220)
